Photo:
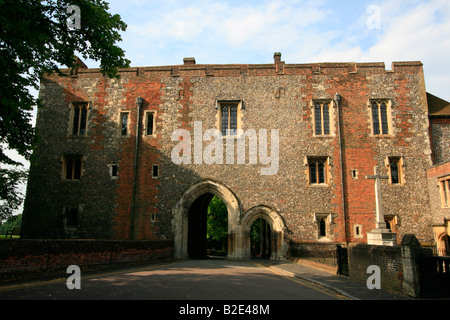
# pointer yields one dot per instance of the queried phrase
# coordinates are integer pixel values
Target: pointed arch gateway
(195, 200)
(187, 216)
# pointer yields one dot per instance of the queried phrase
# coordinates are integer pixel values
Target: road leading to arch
(190, 280)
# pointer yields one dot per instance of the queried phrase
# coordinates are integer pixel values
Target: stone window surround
(327, 168)
(64, 163)
(358, 231)
(121, 113)
(401, 169)
(111, 171)
(145, 124)
(72, 105)
(240, 106)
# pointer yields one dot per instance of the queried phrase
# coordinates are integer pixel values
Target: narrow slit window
(114, 170)
(150, 123)
(124, 123)
(395, 170)
(322, 228)
(155, 171)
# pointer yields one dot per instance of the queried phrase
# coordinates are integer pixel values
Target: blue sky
(304, 31)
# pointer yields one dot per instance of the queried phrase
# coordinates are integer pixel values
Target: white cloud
(230, 31)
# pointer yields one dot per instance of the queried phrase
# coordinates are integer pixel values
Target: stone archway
(277, 225)
(196, 197)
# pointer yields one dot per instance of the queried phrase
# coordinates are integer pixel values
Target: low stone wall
(21, 259)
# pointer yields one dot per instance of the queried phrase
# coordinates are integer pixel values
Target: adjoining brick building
(130, 158)
(439, 174)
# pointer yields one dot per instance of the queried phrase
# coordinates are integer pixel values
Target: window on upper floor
(395, 170)
(380, 116)
(322, 118)
(124, 123)
(79, 112)
(149, 123)
(229, 117)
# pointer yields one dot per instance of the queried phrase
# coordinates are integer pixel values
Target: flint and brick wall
(276, 96)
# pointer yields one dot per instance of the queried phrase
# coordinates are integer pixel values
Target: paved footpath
(326, 277)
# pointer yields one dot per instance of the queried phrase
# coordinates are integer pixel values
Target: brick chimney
(277, 57)
(189, 61)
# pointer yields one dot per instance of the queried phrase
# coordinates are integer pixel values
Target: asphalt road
(190, 280)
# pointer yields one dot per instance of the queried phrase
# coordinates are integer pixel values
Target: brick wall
(389, 259)
(32, 258)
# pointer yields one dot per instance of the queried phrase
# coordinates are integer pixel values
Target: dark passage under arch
(199, 241)
(261, 239)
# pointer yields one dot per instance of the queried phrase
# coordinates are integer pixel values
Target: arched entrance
(272, 227)
(190, 220)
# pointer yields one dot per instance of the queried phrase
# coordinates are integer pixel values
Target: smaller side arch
(278, 227)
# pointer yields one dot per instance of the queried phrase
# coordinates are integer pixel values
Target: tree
(36, 39)
(217, 224)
